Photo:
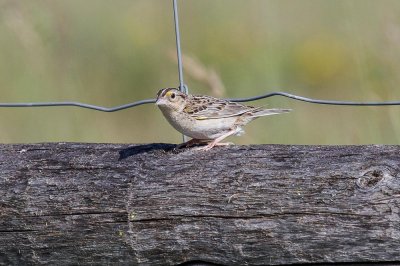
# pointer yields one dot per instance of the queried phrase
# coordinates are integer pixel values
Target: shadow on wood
(71, 203)
(138, 149)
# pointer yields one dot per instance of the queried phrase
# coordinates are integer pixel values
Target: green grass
(111, 53)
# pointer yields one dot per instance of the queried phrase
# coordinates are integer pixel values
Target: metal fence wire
(183, 87)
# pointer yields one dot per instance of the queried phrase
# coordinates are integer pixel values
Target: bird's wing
(205, 107)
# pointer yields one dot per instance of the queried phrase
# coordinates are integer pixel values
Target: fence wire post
(182, 87)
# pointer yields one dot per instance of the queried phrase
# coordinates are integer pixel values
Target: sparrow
(207, 119)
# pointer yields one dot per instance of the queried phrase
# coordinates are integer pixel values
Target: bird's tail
(264, 112)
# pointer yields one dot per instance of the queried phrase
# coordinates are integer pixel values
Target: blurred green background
(115, 52)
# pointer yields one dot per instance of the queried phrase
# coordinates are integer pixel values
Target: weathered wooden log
(74, 204)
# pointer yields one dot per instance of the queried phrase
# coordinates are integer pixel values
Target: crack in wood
(75, 214)
(18, 231)
(265, 216)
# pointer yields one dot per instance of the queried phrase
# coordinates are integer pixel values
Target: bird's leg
(217, 142)
(191, 143)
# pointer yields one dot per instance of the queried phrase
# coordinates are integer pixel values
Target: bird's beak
(160, 101)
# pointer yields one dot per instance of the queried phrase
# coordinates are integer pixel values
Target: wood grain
(71, 203)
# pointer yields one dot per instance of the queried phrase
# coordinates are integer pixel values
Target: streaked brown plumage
(205, 118)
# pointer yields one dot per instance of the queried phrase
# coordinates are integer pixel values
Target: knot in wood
(372, 177)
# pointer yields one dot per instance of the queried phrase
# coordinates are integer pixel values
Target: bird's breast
(199, 129)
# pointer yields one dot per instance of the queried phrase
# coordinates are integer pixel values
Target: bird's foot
(191, 143)
(212, 145)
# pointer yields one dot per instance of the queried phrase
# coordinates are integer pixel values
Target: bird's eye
(173, 96)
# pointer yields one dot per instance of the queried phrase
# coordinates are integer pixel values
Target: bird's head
(171, 98)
